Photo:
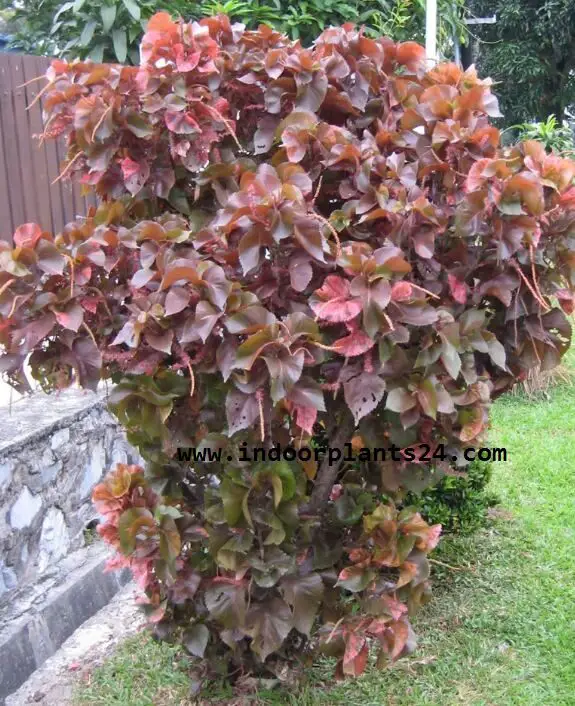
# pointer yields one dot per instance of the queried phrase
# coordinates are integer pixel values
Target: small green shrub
(553, 135)
(458, 503)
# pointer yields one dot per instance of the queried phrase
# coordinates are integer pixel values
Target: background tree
(111, 30)
(529, 51)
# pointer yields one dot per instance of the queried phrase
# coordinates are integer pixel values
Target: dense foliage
(459, 503)
(293, 247)
(111, 30)
(529, 51)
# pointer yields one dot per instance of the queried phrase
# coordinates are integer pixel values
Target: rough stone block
(54, 539)
(59, 438)
(25, 509)
(6, 471)
(94, 469)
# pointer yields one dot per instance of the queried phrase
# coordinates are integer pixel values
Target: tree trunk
(327, 472)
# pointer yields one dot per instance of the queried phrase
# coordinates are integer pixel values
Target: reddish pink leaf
(457, 288)
(355, 344)
(336, 493)
(305, 417)
(27, 235)
(135, 174)
(71, 317)
(566, 300)
(186, 61)
(355, 656)
(332, 301)
(401, 291)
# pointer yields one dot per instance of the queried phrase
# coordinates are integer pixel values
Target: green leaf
(269, 624)
(132, 523)
(179, 200)
(78, 5)
(232, 497)
(120, 44)
(355, 579)
(214, 442)
(227, 557)
(246, 510)
(471, 320)
(133, 8)
(168, 511)
(197, 219)
(268, 569)
(97, 53)
(304, 595)
(511, 208)
(348, 512)
(249, 319)
(250, 349)
(88, 33)
(225, 600)
(399, 400)
(450, 358)
(170, 541)
(278, 490)
(405, 544)
(13, 267)
(277, 534)
(137, 125)
(282, 470)
(495, 349)
(325, 556)
(195, 639)
(427, 397)
(108, 13)
(285, 370)
(63, 8)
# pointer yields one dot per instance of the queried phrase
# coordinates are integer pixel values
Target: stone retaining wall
(53, 450)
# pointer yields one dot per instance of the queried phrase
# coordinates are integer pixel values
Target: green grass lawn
(501, 631)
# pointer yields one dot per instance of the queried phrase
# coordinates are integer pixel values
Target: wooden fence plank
(66, 186)
(28, 170)
(12, 156)
(39, 164)
(53, 163)
(6, 218)
(24, 138)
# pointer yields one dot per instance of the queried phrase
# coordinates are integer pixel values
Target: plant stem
(328, 472)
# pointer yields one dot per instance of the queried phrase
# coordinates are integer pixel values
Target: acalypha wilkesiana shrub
(291, 245)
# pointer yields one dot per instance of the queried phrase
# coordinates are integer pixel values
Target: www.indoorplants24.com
(347, 454)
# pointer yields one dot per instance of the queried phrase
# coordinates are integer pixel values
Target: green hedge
(459, 503)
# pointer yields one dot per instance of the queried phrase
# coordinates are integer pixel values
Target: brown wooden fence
(27, 170)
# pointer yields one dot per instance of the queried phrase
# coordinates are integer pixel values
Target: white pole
(431, 30)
